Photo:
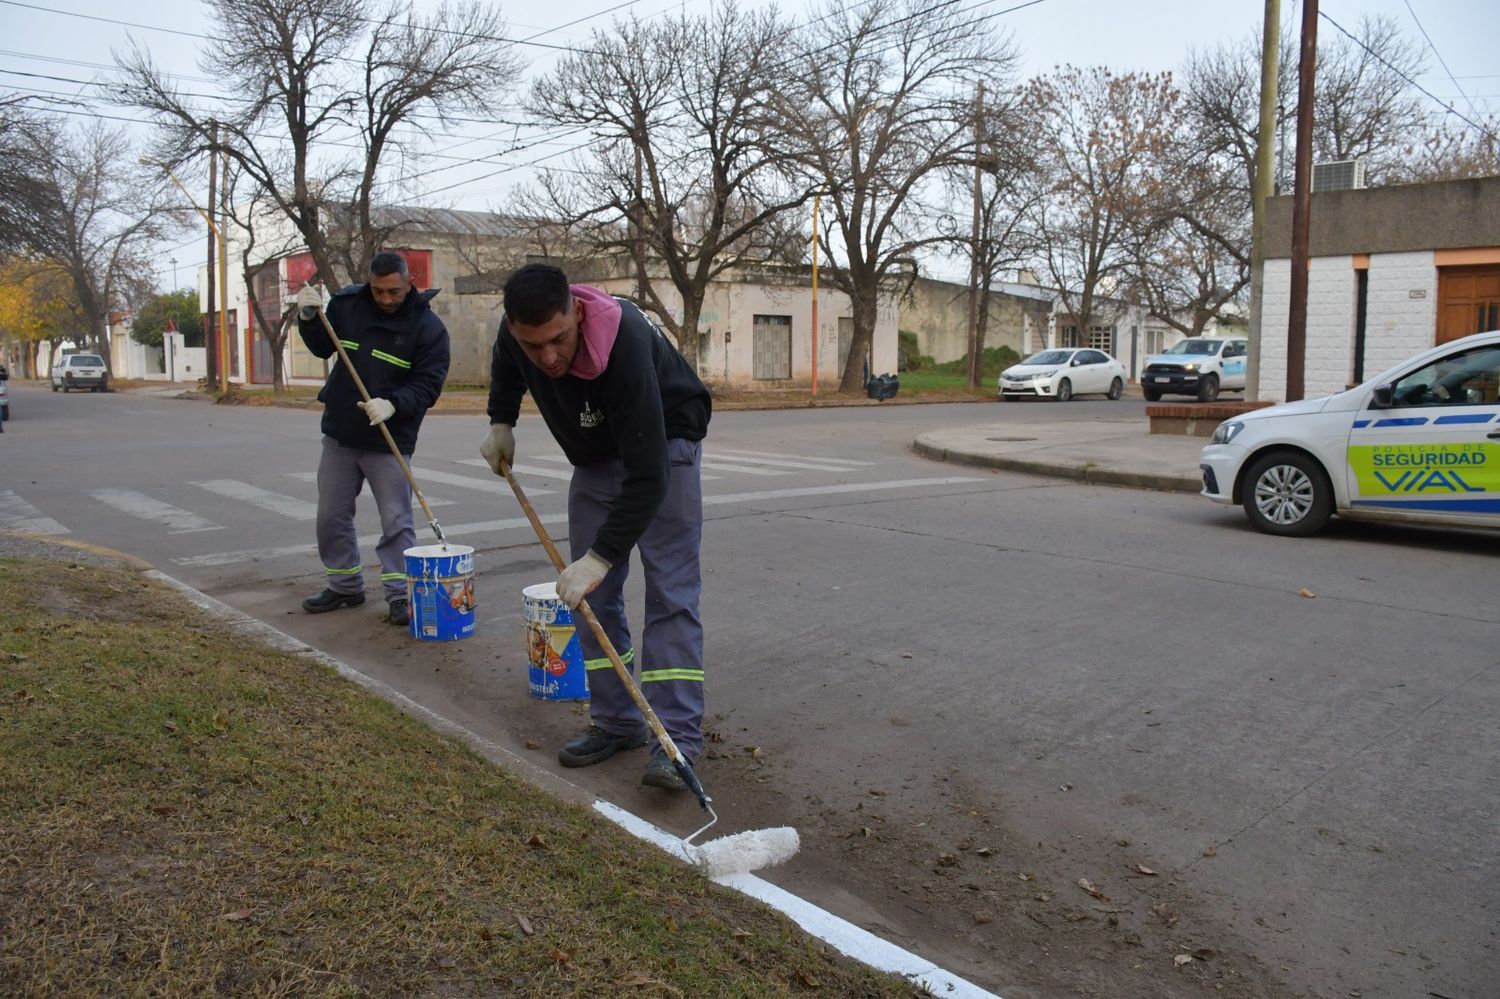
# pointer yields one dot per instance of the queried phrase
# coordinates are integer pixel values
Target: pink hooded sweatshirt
(597, 332)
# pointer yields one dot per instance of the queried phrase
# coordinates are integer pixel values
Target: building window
(1156, 340)
(1102, 338)
(772, 348)
(1068, 336)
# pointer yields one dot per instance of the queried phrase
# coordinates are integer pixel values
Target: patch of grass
(182, 812)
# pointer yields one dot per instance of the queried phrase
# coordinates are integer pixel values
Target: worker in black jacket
(400, 348)
(630, 414)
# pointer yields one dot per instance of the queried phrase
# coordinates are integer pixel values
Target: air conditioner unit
(1338, 175)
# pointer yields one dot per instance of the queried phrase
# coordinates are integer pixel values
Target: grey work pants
(670, 657)
(342, 472)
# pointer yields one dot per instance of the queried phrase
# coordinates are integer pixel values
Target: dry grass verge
(183, 813)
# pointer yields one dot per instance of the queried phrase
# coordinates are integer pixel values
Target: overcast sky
(73, 40)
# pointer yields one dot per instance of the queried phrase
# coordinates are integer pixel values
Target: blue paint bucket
(552, 648)
(440, 592)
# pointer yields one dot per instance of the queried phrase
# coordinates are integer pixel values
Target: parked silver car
(73, 371)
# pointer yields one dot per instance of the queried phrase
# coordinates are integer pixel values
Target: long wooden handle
(384, 430)
(679, 762)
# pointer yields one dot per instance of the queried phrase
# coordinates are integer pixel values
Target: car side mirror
(1384, 396)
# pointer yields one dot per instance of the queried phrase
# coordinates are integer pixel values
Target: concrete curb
(1085, 472)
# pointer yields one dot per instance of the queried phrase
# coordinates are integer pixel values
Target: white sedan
(1061, 374)
(1420, 443)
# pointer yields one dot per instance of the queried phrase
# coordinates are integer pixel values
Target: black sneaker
(399, 613)
(330, 600)
(596, 746)
(661, 773)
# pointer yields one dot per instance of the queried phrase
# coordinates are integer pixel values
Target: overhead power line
(1441, 62)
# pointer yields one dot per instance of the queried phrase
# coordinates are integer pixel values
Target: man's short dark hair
(536, 293)
(388, 262)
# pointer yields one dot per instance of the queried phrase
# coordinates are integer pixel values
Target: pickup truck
(1200, 366)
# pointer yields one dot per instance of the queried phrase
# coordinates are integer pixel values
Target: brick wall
(1276, 299)
(1396, 324)
(1331, 287)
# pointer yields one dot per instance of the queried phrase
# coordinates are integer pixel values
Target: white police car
(1419, 443)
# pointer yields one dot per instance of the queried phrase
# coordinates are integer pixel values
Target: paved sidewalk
(1118, 453)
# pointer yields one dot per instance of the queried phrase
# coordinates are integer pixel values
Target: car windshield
(1195, 347)
(1049, 357)
(87, 360)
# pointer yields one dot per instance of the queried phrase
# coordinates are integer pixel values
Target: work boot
(330, 600)
(596, 746)
(661, 773)
(399, 613)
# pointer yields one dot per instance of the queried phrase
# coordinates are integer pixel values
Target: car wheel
(4, 414)
(1064, 390)
(1116, 387)
(1287, 493)
(1151, 394)
(104, 385)
(54, 386)
(1208, 389)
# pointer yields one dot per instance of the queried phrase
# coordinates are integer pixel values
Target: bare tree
(1447, 150)
(93, 222)
(879, 106)
(1104, 149)
(262, 243)
(1007, 176)
(323, 76)
(686, 170)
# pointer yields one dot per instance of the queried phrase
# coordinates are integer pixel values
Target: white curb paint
(839, 933)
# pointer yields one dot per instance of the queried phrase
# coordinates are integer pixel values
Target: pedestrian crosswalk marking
(365, 489)
(174, 518)
(277, 503)
(18, 515)
(723, 456)
(520, 469)
(490, 485)
(794, 457)
(741, 469)
(470, 531)
(564, 458)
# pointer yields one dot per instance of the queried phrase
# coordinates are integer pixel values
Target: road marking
(742, 470)
(521, 469)
(365, 488)
(794, 457)
(778, 462)
(490, 485)
(564, 458)
(513, 523)
(19, 515)
(174, 518)
(277, 503)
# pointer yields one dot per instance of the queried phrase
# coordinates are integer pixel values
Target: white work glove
(309, 301)
(498, 446)
(579, 579)
(378, 410)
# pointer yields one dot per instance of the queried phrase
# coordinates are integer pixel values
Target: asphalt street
(909, 658)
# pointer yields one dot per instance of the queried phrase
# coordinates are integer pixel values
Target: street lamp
(222, 368)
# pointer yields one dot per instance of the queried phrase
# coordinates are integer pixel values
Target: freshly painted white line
(19, 515)
(489, 485)
(740, 469)
(277, 503)
(847, 487)
(174, 518)
(547, 473)
(794, 457)
(722, 456)
(453, 531)
(839, 933)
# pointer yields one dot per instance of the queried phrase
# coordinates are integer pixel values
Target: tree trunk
(853, 380)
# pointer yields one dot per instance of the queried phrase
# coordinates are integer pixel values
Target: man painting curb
(400, 348)
(630, 415)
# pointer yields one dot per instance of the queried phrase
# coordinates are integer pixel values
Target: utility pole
(1265, 142)
(816, 198)
(1296, 333)
(973, 379)
(211, 341)
(224, 351)
(173, 262)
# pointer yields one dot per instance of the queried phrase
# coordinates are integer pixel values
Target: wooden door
(1468, 301)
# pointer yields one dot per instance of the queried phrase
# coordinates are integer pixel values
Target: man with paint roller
(630, 414)
(399, 347)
